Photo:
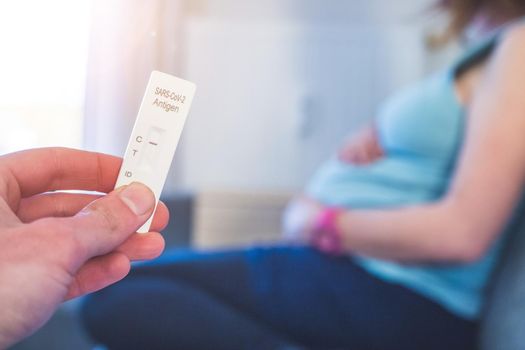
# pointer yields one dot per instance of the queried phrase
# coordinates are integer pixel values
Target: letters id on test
(156, 134)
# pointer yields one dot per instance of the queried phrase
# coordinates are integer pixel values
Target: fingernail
(138, 198)
(120, 189)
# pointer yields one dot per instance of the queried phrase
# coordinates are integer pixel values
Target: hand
(56, 246)
(300, 218)
(362, 148)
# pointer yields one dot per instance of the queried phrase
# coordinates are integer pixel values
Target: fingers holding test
(53, 205)
(160, 218)
(61, 204)
(101, 271)
(106, 223)
(143, 246)
(98, 273)
(49, 169)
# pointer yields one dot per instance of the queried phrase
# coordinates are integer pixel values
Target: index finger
(50, 169)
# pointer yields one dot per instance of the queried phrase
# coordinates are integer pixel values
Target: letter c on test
(139, 139)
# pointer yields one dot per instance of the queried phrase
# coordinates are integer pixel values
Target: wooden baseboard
(237, 218)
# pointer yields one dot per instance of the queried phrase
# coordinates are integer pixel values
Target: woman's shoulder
(507, 63)
(515, 30)
(512, 42)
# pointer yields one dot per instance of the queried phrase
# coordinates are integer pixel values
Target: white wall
(280, 83)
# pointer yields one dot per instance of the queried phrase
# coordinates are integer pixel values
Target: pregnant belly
(392, 181)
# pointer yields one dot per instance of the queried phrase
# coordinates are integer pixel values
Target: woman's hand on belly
(362, 148)
(300, 218)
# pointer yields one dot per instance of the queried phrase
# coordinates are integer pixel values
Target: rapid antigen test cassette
(156, 133)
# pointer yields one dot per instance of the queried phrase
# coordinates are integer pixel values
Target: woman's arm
(488, 180)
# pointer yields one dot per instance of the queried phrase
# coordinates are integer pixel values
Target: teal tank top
(421, 130)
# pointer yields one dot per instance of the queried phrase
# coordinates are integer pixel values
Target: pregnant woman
(401, 229)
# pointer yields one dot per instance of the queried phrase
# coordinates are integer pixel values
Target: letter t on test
(156, 134)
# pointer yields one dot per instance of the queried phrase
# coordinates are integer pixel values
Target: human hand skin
(55, 246)
(300, 218)
(362, 148)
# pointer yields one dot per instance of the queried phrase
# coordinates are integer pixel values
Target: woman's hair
(463, 12)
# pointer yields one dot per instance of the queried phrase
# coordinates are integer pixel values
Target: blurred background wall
(281, 82)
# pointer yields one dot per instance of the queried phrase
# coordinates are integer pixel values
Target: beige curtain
(128, 40)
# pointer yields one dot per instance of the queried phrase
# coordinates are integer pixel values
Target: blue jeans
(267, 298)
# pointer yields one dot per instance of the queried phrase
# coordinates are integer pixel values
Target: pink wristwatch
(327, 236)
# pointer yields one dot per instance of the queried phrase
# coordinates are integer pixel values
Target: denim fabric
(267, 298)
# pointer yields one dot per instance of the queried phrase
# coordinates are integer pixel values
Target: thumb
(106, 223)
